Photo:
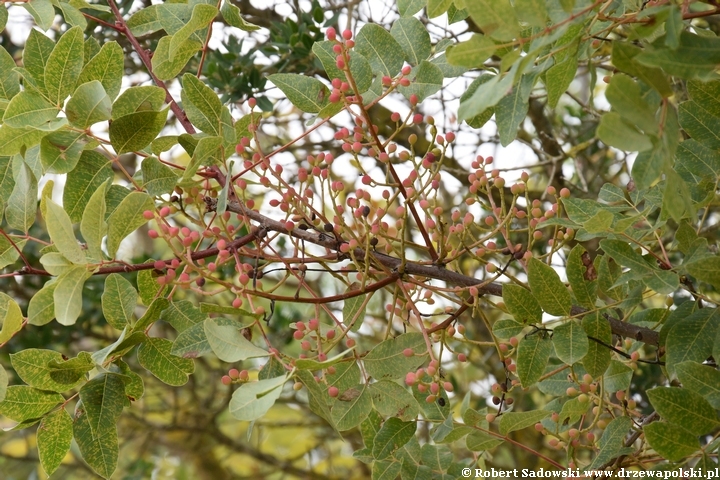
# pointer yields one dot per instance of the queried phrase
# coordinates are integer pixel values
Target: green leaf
(145, 21)
(624, 58)
(702, 379)
(12, 318)
(559, 77)
(522, 304)
(706, 94)
(33, 366)
(13, 139)
(407, 8)
(119, 300)
(138, 99)
(61, 233)
(532, 12)
(100, 452)
(106, 67)
(471, 53)
(393, 400)
(93, 226)
(551, 293)
(191, 343)
(392, 436)
(253, 399)
(148, 287)
(102, 401)
(382, 51)
(386, 470)
(597, 360)
(202, 15)
(41, 309)
(572, 410)
(512, 109)
(64, 66)
(71, 370)
(3, 19)
(91, 172)
(582, 276)
(60, 151)
(183, 315)
(24, 403)
(698, 122)
(151, 315)
(89, 105)
(166, 68)
(9, 80)
(698, 159)
(617, 377)
(154, 355)
(386, 360)
(42, 11)
(612, 441)
(352, 407)
(625, 96)
(692, 338)
(229, 344)
(55, 263)
(487, 94)
(414, 39)
(435, 8)
(494, 17)
(507, 327)
(134, 388)
(624, 254)
(126, 218)
(157, 178)
(570, 341)
(707, 271)
(685, 408)
(54, 436)
(616, 132)
(426, 79)
(647, 167)
(448, 70)
(318, 397)
(8, 253)
(135, 131)
(232, 16)
(672, 442)
(29, 109)
(695, 57)
(479, 441)
(512, 421)
(68, 295)
(533, 354)
(202, 105)
(306, 93)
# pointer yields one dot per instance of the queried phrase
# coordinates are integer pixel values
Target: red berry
(331, 33)
(164, 211)
(148, 215)
(298, 335)
(234, 373)
(333, 392)
(159, 265)
(313, 324)
(347, 34)
(226, 380)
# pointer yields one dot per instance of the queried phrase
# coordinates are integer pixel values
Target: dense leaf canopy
(349, 239)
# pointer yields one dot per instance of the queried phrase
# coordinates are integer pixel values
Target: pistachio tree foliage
(260, 259)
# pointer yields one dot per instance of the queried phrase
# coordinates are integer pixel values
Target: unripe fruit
(539, 427)
(297, 386)
(490, 417)
(571, 391)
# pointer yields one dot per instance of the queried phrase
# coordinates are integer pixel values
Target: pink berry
(226, 380)
(298, 335)
(410, 378)
(313, 324)
(347, 34)
(234, 373)
(148, 215)
(408, 352)
(331, 33)
(164, 211)
(333, 392)
(462, 357)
